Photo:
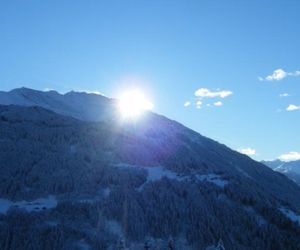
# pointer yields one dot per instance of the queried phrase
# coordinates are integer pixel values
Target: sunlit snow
(158, 172)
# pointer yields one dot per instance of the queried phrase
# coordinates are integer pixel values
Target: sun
(133, 103)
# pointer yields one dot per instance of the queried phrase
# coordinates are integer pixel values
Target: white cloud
(295, 73)
(247, 151)
(203, 92)
(291, 156)
(292, 107)
(278, 75)
(284, 95)
(218, 104)
(198, 104)
(187, 103)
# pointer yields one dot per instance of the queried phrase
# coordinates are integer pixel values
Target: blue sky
(170, 49)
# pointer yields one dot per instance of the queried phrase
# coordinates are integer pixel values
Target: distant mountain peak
(80, 105)
(291, 169)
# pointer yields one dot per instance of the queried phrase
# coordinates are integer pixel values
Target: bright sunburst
(133, 103)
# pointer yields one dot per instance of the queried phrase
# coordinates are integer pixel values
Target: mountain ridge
(290, 169)
(134, 180)
(71, 103)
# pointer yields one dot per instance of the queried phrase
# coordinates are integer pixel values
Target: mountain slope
(290, 169)
(68, 184)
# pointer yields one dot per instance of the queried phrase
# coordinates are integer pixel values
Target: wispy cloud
(291, 156)
(292, 107)
(284, 95)
(201, 96)
(218, 104)
(278, 75)
(187, 103)
(206, 93)
(199, 104)
(247, 151)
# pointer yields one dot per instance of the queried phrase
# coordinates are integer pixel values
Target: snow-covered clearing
(158, 172)
(213, 178)
(290, 214)
(29, 206)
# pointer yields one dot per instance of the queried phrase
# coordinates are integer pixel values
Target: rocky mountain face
(72, 180)
(290, 169)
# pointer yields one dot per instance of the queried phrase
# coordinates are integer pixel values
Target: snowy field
(29, 206)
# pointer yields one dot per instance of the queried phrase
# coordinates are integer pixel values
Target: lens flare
(133, 103)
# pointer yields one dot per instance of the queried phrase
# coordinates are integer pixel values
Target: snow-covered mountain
(291, 169)
(80, 105)
(69, 180)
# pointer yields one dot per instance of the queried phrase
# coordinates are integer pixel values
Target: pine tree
(147, 245)
(171, 244)
(121, 244)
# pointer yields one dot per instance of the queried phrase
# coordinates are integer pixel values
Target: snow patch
(290, 214)
(158, 172)
(213, 178)
(29, 206)
(114, 227)
(154, 173)
(259, 219)
(243, 172)
(91, 199)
